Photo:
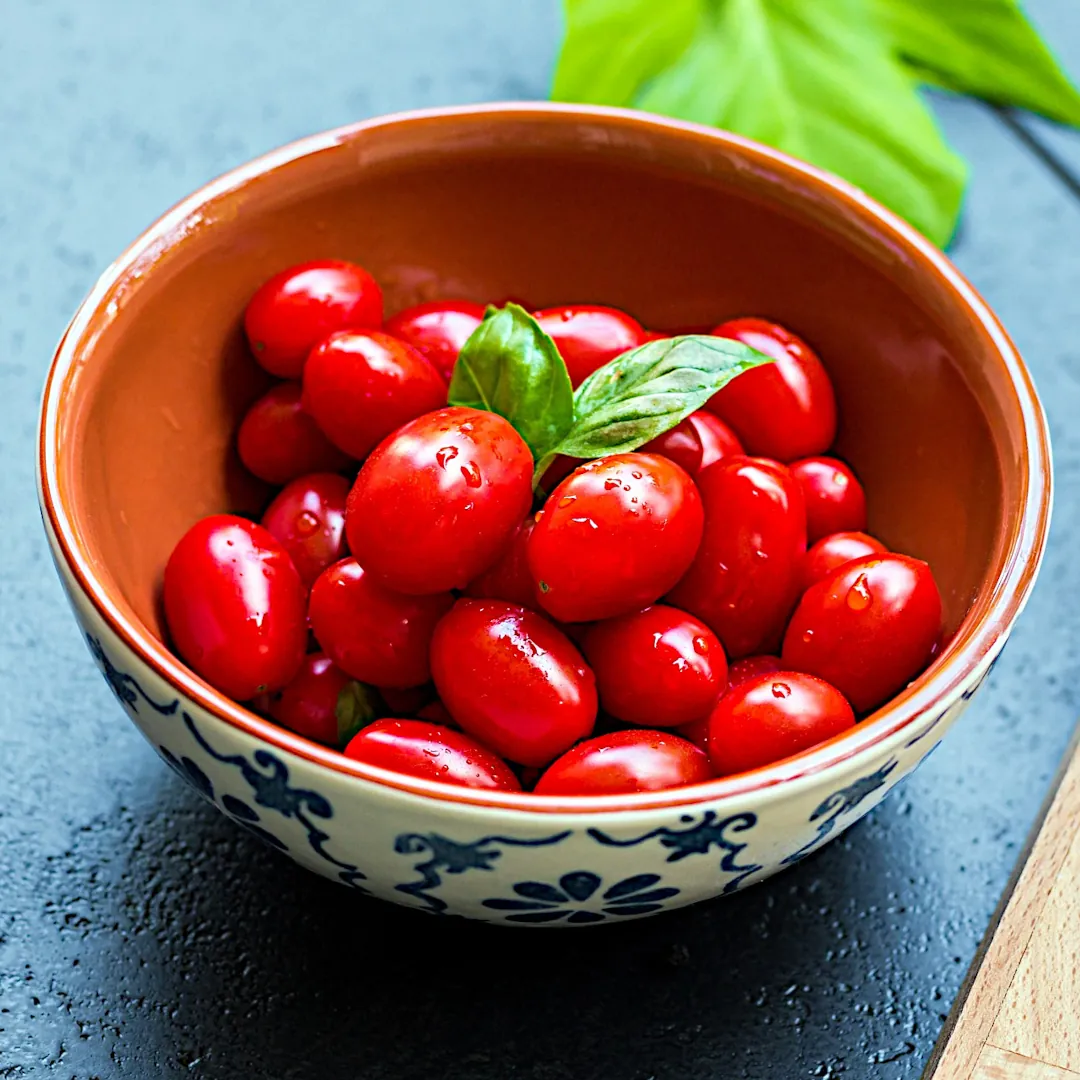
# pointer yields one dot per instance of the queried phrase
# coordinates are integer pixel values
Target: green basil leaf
(355, 709)
(649, 390)
(986, 48)
(819, 80)
(511, 367)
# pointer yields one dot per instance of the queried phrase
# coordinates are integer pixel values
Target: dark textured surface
(142, 935)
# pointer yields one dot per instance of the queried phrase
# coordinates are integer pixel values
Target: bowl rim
(936, 688)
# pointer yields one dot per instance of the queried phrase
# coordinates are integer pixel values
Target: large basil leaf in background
(817, 79)
(986, 48)
(511, 367)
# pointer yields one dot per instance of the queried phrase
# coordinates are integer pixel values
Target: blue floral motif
(452, 857)
(125, 687)
(839, 803)
(699, 839)
(540, 902)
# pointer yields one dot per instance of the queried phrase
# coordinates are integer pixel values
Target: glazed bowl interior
(677, 225)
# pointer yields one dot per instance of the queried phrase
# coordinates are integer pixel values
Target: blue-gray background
(142, 935)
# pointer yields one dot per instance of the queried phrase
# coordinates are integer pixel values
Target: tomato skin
(376, 635)
(658, 667)
(682, 444)
(360, 385)
(868, 628)
(835, 500)
(509, 578)
(307, 517)
(512, 680)
(437, 330)
(749, 667)
(588, 336)
(278, 441)
(623, 762)
(309, 705)
(234, 605)
(833, 551)
(785, 410)
(438, 502)
(745, 578)
(298, 307)
(773, 716)
(614, 536)
(417, 748)
(717, 439)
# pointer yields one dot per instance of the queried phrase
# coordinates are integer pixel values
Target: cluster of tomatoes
(436, 616)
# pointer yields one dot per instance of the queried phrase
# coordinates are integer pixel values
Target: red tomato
(509, 578)
(717, 439)
(234, 605)
(614, 536)
(835, 550)
(868, 628)
(300, 306)
(588, 336)
(558, 471)
(513, 681)
(406, 701)
(749, 667)
(438, 330)
(774, 716)
(745, 578)
(681, 443)
(436, 712)
(323, 703)
(376, 635)
(417, 748)
(658, 668)
(835, 501)
(278, 441)
(785, 410)
(308, 520)
(623, 762)
(438, 502)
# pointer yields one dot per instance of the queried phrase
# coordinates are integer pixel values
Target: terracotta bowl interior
(672, 226)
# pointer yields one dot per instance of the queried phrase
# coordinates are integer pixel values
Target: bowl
(676, 223)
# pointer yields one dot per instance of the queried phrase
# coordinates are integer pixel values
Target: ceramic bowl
(678, 224)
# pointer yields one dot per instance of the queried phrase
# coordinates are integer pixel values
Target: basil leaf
(649, 390)
(355, 709)
(986, 48)
(819, 80)
(511, 367)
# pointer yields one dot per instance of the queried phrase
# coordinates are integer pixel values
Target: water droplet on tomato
(636, 474)
(611, 485)
(781, 690)
(445, 454)
(701, 646)
(538, 516)
(566, 500)
(472, 474)
(839, 479)
(858, 596)
(808, 636)
(306, 523)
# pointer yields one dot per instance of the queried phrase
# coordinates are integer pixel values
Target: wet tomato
(835, 501)
(614, 536)
(745, 578)
(623, 762)
(681, 443)
(418, 748)
(868, 628)
(308, 518)
(512, 680)
(234, 606)
(658, 668)
(323, 703)
(437, 330)
(298, 307)
(771, 717)
(749, 667)
(717, 439)
(438, 502)
(360, 385)
(785, 410)
(377, 636)
(588, 336)
(835, 550)
(509, 578)
(278, 441)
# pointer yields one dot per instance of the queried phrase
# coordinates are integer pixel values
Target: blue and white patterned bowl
(127, 462)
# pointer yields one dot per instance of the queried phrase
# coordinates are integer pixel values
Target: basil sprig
(511, 367)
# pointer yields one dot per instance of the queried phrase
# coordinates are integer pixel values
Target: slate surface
(142, 935)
